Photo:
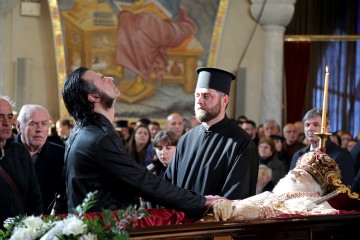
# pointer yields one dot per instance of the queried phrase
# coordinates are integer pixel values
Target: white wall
(31, 38)
(237, 31)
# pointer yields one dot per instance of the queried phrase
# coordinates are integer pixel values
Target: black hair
(66, 122)
(139, 157)
(251, 122)
(144, 121)
(75, 96)
(167, 137)
(155, 123)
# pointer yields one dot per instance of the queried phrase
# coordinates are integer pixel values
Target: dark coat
(355, 186)
(96, 160)
(291, 149)
(221, 160)
(355, 153)
(17, 163)
(157, 168)
(341, 156)
(278, 167)
(48, 168)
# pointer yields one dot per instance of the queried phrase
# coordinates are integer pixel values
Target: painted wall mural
(151, 47)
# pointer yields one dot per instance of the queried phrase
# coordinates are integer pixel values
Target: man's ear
(93, 97)
(18, 126)
(226, 99)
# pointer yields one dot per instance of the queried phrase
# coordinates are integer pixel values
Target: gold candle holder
(323, 137)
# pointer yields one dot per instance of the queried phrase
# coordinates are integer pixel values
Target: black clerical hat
(214, 78)
(121, 124)
(277, 137)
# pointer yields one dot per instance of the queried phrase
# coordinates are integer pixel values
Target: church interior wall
(31, 38)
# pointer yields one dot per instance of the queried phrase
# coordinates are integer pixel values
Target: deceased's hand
(222, 209)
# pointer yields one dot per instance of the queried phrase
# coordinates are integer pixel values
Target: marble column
(273, 16)
(5, 7)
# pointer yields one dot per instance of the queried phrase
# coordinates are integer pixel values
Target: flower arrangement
(78, 226)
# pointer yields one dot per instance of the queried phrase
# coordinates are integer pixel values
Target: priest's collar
(218, 126)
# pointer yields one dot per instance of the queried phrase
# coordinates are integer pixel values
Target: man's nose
(6, 122)
(111, 79)
(199, 100)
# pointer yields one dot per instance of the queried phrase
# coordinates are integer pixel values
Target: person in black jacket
(48, 157)
(96, 159)
(16, 162)
(355, 153)
(312, 124)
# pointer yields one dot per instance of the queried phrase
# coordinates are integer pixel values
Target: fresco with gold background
(151, 48)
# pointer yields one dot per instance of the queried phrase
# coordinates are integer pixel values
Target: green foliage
(9, 225)
(88, 203)
(108, 225)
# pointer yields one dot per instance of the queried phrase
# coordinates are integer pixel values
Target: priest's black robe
(221, 160)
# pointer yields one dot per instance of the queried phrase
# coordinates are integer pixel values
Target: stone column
(5, 7)
(273, 16)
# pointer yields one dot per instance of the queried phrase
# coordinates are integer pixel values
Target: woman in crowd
(164, 144)
(268, 156)
(140, 146)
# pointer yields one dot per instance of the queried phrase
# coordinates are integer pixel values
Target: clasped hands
(221, 207)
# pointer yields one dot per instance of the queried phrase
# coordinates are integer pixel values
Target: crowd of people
(280, 148)
(192, 164)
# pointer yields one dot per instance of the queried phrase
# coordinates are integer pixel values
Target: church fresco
(151, 48)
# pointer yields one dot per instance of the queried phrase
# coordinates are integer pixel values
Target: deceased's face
(297, 180)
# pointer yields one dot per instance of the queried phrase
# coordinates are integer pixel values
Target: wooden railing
(342, 226)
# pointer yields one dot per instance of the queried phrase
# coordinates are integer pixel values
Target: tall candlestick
(323, 123)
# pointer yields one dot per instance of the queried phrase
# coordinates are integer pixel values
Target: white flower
(73, 226)
(21, 233)
(33, 222)
(6, 224)
(88, 236)
(50, 235)
(32, 229)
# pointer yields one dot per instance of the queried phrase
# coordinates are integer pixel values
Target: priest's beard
(106, 101)
(206, 115)
(289, 184)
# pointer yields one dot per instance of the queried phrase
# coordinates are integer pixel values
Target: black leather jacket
(96, 160)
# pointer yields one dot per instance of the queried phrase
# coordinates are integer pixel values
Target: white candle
(323, 123)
